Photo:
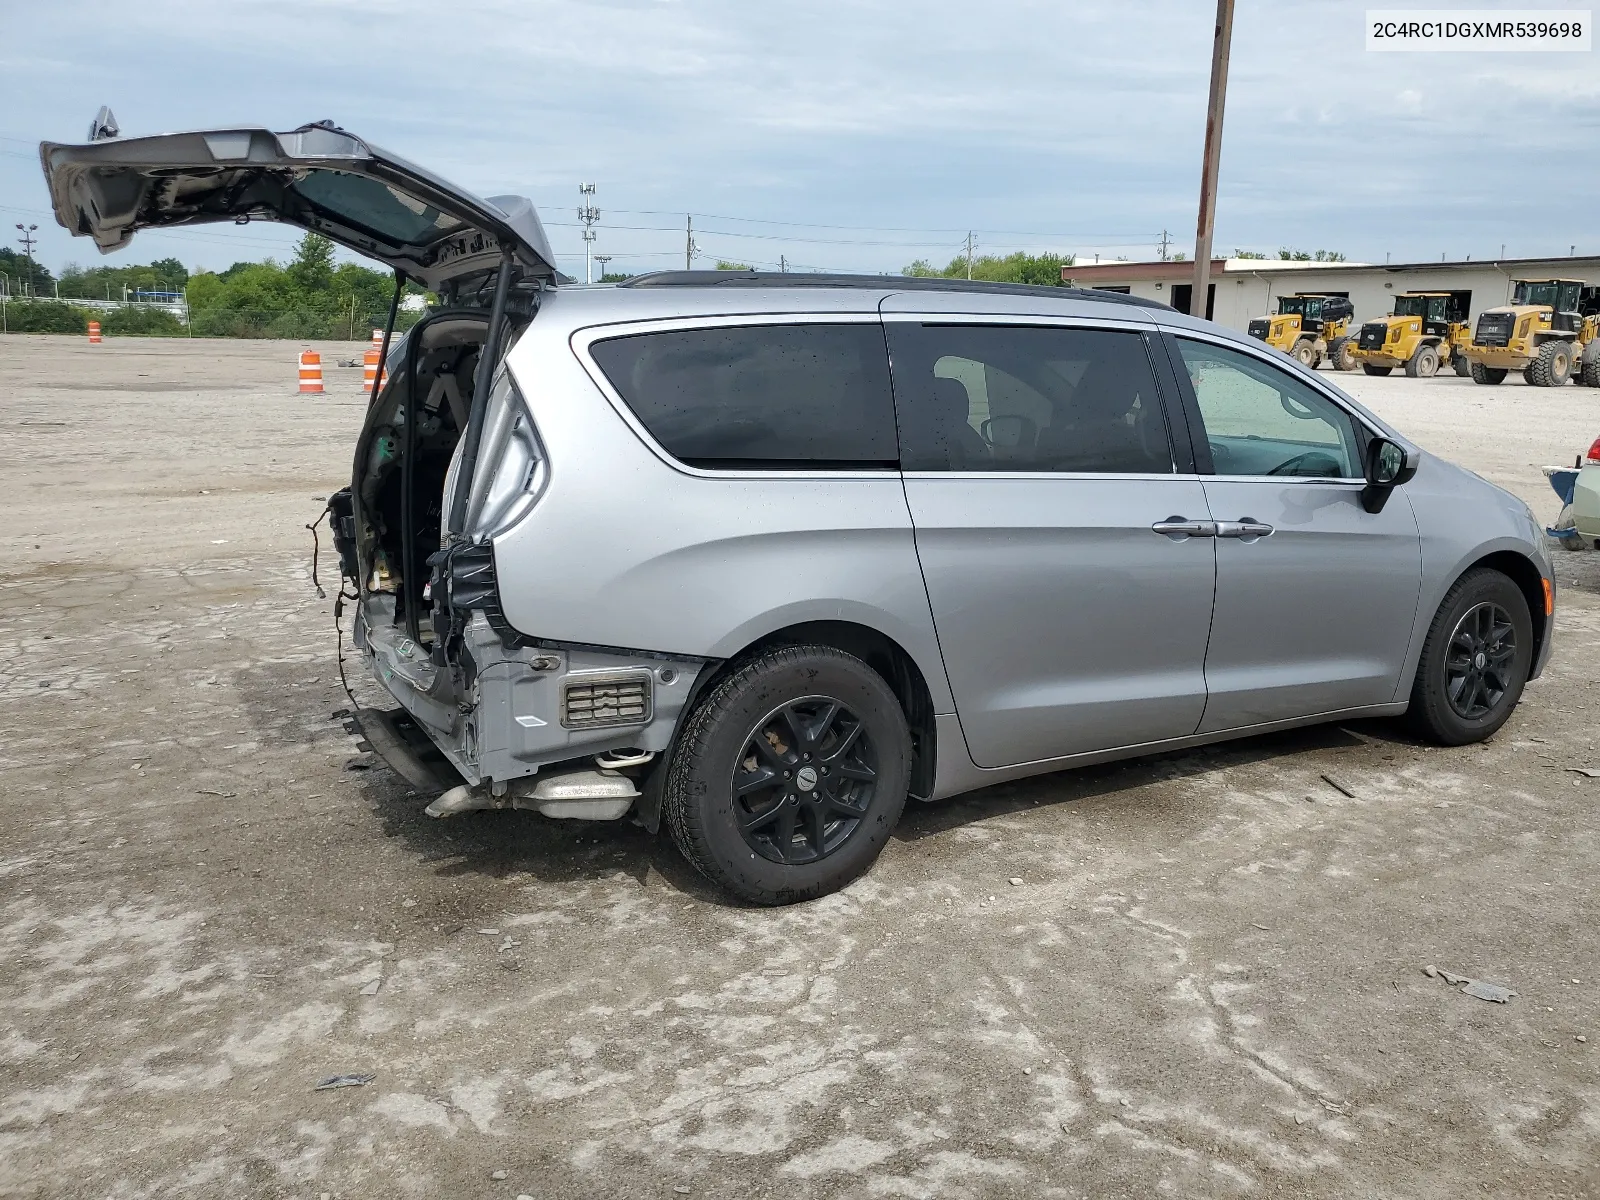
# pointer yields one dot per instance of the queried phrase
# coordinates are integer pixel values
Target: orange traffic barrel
(377, 340)
(310, 373)
(94, 333)
(369, 371)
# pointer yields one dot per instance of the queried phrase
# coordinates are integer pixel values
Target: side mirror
(1388, 466)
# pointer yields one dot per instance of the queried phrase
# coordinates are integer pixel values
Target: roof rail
(883, 283)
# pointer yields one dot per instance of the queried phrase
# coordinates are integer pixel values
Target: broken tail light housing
(511, 469)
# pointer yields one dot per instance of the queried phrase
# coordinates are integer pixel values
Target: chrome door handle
(1246, 529)
(1178, 528)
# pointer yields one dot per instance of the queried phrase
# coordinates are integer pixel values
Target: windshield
(1411, 306)
(1561, 295)
(1291, 306)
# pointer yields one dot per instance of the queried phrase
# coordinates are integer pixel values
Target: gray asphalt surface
(1195, 975)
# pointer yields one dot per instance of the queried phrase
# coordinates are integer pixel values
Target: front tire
(1339, 356)
(1553, 367)
(1483, 374)
(790, 775)
(1305, 353)
(1372, 370)
(1423, 364)
(1474, 662)
(1459, 363)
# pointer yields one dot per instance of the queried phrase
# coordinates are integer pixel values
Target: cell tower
(588, 214)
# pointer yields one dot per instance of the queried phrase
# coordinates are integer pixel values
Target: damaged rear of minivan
(793, 760)
(447, 458)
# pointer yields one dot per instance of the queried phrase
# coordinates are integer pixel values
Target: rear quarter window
(759, 396)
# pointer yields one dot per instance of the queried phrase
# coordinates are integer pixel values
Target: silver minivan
(761, 556)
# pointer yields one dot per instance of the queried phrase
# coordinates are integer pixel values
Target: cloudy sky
(847, 134)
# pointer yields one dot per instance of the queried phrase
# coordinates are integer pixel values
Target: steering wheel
(1296, 409)
(1287, 467)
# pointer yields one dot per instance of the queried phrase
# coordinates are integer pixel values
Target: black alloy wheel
(1475, 660)
(787, 778)
(1478, 663)
(804, 780)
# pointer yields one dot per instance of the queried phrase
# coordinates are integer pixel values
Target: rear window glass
(376, 207)
(785, 396)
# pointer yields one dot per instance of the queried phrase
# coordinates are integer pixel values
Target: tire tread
(1426, 714)
(678, 810)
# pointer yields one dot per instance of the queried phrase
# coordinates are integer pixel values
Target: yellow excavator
(1426, 330)
(1544, 332)
(1309, 326)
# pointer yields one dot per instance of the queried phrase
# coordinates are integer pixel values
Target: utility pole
(1222, 40)
(969, 253)
(28, 241)
(1166, 240)
(602, 259)
(783, 264)
(689, 248)
(588, 214)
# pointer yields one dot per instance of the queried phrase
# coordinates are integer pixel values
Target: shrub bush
(45, 316)
(141, 322)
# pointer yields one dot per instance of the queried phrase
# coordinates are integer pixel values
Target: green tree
(1248, 254)
(1305, 256)
(724, 265)
(1042, 270)
(310, 298)
(312, 268)
(112, 282)
(25, 275)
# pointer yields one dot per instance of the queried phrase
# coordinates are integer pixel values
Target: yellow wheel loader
(1426, 330)
(1309, 326)
(1550, 332)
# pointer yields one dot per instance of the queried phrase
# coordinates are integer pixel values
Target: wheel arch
(1523, 572)
(1512, 563)
(879, 651)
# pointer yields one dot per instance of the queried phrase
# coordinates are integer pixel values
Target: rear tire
(1590, 369)
(1339, 356)
(1553, 367)
(790, 775)
(1423, 363)
(1459, 362)
(1372, 370)
(1527, 376)
(1483, 374)
(1475, 660)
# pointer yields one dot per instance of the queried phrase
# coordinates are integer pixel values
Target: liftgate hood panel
(318, 177)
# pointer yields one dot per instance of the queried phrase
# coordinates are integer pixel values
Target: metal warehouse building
(1242, 288)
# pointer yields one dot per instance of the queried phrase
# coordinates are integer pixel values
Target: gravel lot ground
(1208, 981)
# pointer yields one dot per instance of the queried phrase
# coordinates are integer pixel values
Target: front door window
(1261, 420)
